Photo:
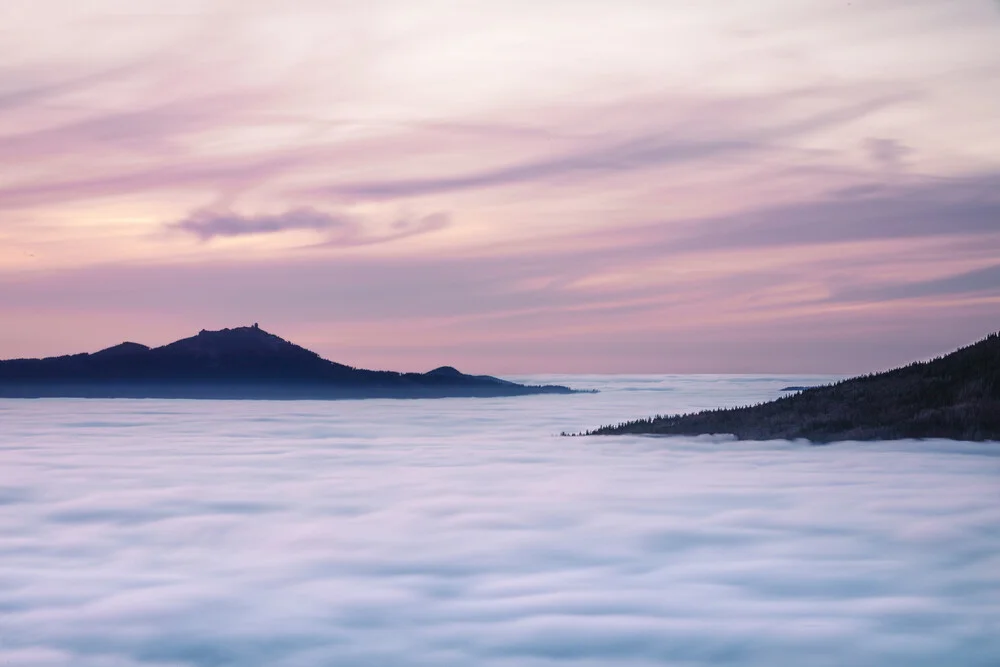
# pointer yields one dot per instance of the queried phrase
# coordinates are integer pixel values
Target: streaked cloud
(985, 281)
(206, 224)
(923, 208)
(634, 153)
(887, 153)
(776, 267)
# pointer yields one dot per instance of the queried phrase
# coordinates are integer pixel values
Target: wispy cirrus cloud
(561, 148)
(661, 147)
(958, 206)
(652, 282)
(984, 281)
(340, 229)
(208, 224)
(888, 154)
(160, 129)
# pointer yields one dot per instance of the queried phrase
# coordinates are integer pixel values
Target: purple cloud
(637, 152)
(340, 229)
(889, 154)
(541, 279)
(984, 281)
(967, 206)
(208, 224)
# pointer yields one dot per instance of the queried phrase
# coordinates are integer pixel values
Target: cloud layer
(460, 532)
(814, 284)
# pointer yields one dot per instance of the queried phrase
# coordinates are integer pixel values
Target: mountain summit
(241, 340)
(244, 362)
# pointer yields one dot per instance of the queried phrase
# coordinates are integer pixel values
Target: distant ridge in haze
(956, 396)
(245, 362)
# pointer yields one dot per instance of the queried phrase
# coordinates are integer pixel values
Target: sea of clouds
(466, 532)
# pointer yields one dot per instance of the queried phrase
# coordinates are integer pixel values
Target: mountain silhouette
(244, 362)
(956, 396)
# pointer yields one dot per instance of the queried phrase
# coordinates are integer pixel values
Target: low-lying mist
(466, 532)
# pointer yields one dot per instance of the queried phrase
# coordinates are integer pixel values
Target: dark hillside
(956, 396)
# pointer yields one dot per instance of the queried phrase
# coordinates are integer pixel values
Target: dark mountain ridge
(244, 362)
(956, 396)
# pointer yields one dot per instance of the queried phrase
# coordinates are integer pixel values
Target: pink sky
(546, 186)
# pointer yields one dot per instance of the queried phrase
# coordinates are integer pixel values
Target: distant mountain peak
(444, 370)
(125, 348)
(254, 330)
(243, 362)
(239, 340)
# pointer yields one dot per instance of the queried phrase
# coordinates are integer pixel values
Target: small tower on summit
(256, 326)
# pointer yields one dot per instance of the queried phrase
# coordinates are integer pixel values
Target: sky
(547, 186)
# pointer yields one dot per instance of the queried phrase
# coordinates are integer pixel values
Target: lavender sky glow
(554, 186)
